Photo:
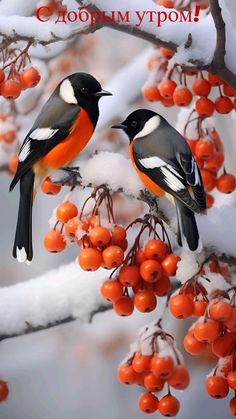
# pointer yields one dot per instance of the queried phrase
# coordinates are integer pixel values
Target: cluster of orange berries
(17, 81)
(100, 245)
(145, 272)
(215, 328)
(156, 362)
(208, 152)
(9, 141)
(49, 8)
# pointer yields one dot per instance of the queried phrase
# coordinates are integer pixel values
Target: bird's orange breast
(66, 151)
(147, 181)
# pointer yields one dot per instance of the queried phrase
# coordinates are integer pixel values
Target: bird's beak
(102, 93)
(119, 126)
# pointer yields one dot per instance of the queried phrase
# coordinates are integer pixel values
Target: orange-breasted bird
(59, 134)
(166, 166)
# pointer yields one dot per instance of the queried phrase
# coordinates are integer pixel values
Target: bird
(164, 162)
(62, 129)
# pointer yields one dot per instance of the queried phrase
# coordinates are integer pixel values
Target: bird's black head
(84, 90)
(140, 123)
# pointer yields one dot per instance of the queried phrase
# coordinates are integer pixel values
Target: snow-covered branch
(57, 297)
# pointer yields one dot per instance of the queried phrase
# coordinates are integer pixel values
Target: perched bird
(166, 166)
(61, 131)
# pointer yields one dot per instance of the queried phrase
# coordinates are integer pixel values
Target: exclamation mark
(197, 13)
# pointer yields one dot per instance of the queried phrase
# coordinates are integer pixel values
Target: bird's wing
(168, 174)
(51, 127)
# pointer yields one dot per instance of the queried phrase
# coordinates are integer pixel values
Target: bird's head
(140, 123)
(81, 89)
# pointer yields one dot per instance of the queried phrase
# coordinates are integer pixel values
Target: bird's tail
(23, 249)
(188, 236)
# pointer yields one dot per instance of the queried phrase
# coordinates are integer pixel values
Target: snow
(187, 266)
(56, 295)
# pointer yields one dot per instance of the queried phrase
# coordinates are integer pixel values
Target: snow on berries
(156, 364)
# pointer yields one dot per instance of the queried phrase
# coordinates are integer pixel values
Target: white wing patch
(196, 175)
(42, 133)
(67, 92)
(171, 180)
(25, 151)
(153, 162)
(172, 169)
(150, 126)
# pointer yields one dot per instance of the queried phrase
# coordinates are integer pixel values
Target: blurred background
(69, 372)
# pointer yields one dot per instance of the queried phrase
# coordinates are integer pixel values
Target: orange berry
(199, 308)
(232, 406)
(112, 256)
(162, 287)
(30, 78)
(223, 345)
(168, 103)
(155, 249)
(217, 387)
(13, 163)
(204, 149)
(11, 89)
(72, 226)
(124, 306)
(150, 270)
(214, 80)
(148, 403)
(192, 345)
(209, 180)
(145, 301)
(93, 221)
(209, 201)
(223, 105)
(90, 259)
(204, 107)
(179, 379)
(228, 90)
(231, 378)
(166, 53)
(124, 245)
(182, 96)
(129, 276)
(167, 88)
(141, 363)
(2, 76)
(226, 183)
(118, 235)
(50, 188)
(151, 93)
(111, 290)
(152, 383)
(126, 374)
(140, 257)
(66, 211)
(169, 264)
(162, 366)
(4, 390)
(215, 163)
(181, 306)
(201, 87)
(220, 311)
(231, 322)
(99, 236)
(169, 4)
(206, 331)
(169, 406)
(54, 241)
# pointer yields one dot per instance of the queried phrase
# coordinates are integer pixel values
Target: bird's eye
(133, 124)
(85, 91)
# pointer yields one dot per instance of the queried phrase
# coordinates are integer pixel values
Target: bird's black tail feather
(23, 249)
(188, 235)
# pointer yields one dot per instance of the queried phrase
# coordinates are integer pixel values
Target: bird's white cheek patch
(150, 126)
(67, 92)
(43, 133)
(152, 162)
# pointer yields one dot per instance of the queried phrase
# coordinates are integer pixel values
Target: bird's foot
(72, 179)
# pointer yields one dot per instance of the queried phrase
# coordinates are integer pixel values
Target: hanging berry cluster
(9, 142)
(153, 363)
(101, 241)
(144, 274)
(208, 151)
(16, 73)
(215, 327)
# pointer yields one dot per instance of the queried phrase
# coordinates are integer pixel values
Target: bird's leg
(72, 178)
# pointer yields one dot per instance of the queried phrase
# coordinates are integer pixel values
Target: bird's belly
(66, 151)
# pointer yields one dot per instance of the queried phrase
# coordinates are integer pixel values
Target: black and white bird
(166, 166)
(59, 134)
